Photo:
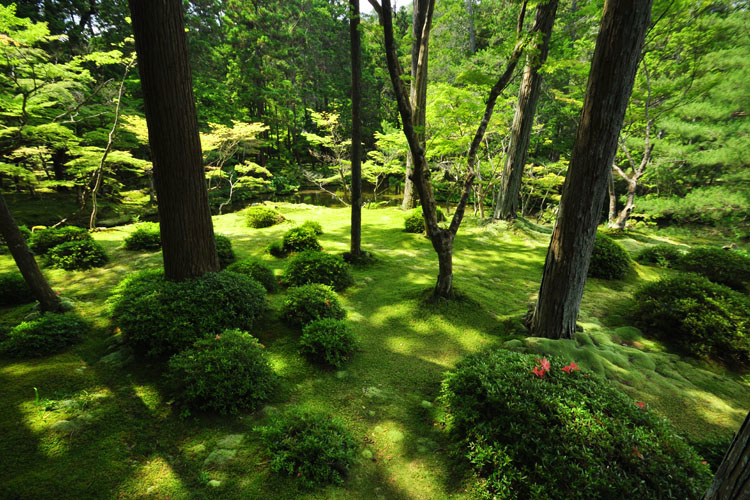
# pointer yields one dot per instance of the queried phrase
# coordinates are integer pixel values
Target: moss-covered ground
(124, 440)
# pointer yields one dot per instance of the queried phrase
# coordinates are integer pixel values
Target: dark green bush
(224, 249)
(146, 236)
(159, 317)
(726, 267)
(414, 221)
(14, 290)
(276, 249)
(49, 334)
(257, 271)
(566, 435)
(299, 239)
(75, 255)
(327, 341)
(712, 448)
(318, 267)
(314, 447)
(659, 255)
(46, 239)
(310, 302)
(609, 260)
(224, 374)
(314, 226)
(260, 216)
(698, 317)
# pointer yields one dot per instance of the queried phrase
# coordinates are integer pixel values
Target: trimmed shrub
(327, 341)
(318, 267)
(224, 249)
(159, 317)
(698, 317)
(147, 236)
(659, 255)
(224, 374)
(314, 447)
(14, 290)
(257, 271)
(725, 267)
(46, 239)
(260, 216)
(75, 255)
(314, 226)
(414, 221)
(276, 249)
(609, 260)
(299, 239)
(712, 447)
(563, 435)
(307, 303)
(49, 334)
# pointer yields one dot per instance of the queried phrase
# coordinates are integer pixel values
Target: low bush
(46, 239)
(542, 429)
(224, 374)
(726, 267)
(159, 317)
(712, 447)
(258, 217)
(75, 255)
(257, 271)
(147, 236)
(316, 447)
(299, 239)
(609, 260)
(659, 255)
(327, 341)
(698, 317)
(14, 290)
(49, 334)
(318, 267)
(314, 226)
(224, 249)
(414, 221)
(307, 303)
(276, 249)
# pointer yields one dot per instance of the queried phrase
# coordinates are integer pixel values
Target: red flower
(640, 404)
(328, 303)
(539, 372)
(544, 363)
(218, 336)
(704, 462)
(566, 369)
(571, 367)
(57, 293)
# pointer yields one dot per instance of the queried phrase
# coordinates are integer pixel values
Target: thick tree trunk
(732, 480)
(48, 300)
(443, 245)
(187, 234)
(506, 205)
(356, 238)
(610, 83)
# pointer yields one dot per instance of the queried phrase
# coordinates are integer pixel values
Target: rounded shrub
(659, 255)
(314, 447)
(224, 373)
(314, 226)
(698, 317)
(299, 239)
(727, 267)
(14, 290)
(318, 267)
(224, 249)
(276, 248)
(307, 303)
(260, 216)
(159, 317)
(414, 221)
(256, 270)
(49, 334)
(327, 341)
(42, 241)
(75, 255)
(558, 433)
(146, 236)
(609, 260)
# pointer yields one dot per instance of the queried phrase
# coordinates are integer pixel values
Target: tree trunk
(610, 83)
(622, 217)
(732, 480)
(187, 234)
(506, 205)
(356, 238)
(612, 198)
(48, 300)
(444, 249)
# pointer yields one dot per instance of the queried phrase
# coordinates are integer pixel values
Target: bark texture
(356, 236)
(613, 68)
(187, 234)
(732, 480)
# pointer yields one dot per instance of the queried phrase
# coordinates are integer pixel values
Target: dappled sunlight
(161, 478)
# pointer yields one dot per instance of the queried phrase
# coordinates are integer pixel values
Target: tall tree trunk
(356, 238)
(187, 234)
(613, 67)
(612, 197)
(506, 204)
(732, 480)
(25, 261)
(622, 217)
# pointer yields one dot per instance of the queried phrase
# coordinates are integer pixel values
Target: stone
(374, 393)
(65, 426)
(214, 483)
(68, 404)
(231, 441)
(66, 305)
(219, 457)
(117, 358)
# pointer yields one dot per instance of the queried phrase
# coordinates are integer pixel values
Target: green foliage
(659, 255)
(711, 205)
(318, 267)
(75, 255)
(313, 226)
(224, 249)
(146, 236)
(25, 232)
(414, 221)
(256, 270)
(712, 448)
(314, 447)
(261, 216)
(276, 248)
(697, 316)
(14, 290)
(49, 334)
(563, 435)
(159, 317)
(46, 239)
(328, 341)
(307, 303)
(609, 260)
(725, 267)
(223, 374)
(299, 239)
